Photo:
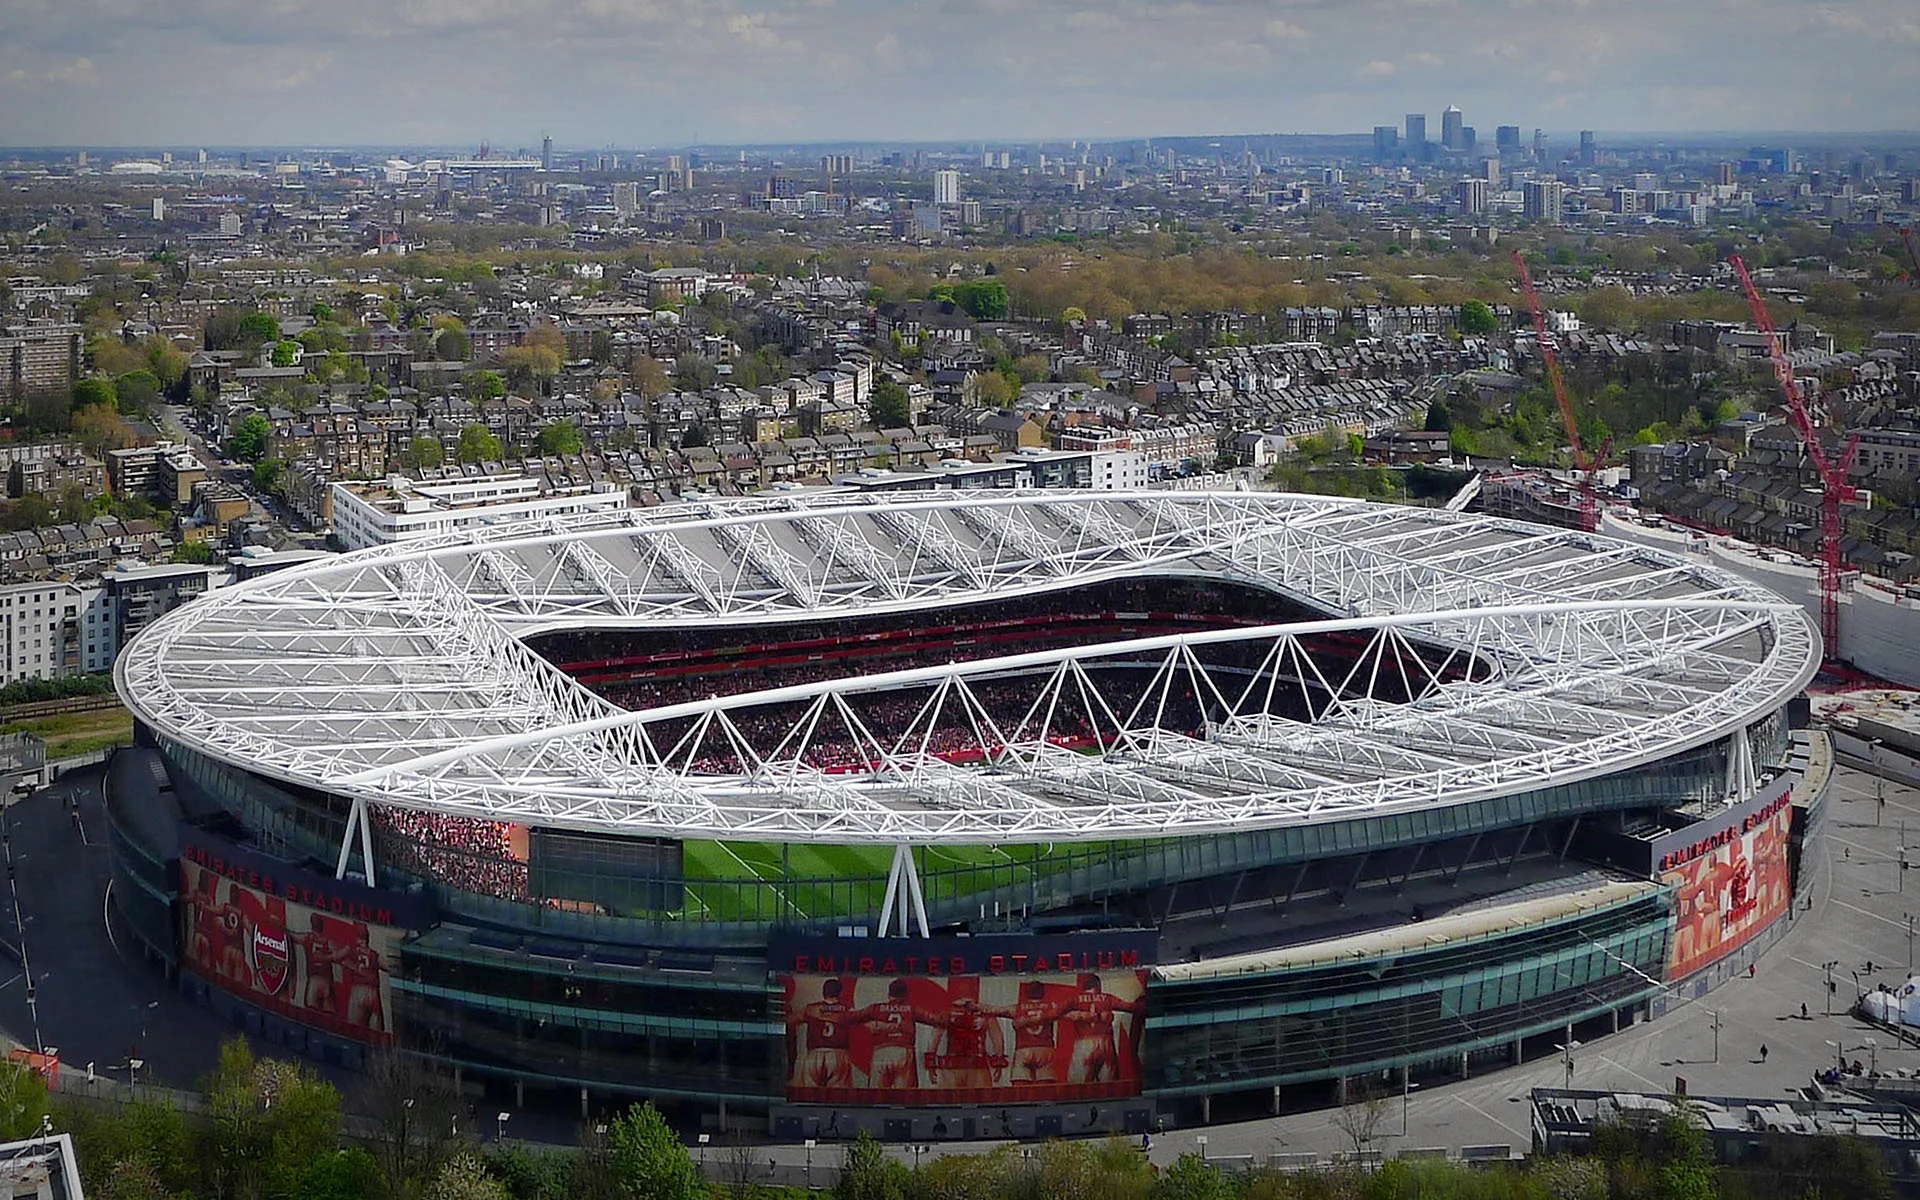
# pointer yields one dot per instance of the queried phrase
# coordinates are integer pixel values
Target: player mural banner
(963, 1020)
(1730, 880)
(314, 950)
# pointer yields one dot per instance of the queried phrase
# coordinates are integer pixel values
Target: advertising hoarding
(311, 949)
(1731, 881)
(901, 1021)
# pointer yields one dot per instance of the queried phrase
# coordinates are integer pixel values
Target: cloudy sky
(662, 72)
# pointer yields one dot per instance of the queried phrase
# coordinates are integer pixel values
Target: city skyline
(668, 72)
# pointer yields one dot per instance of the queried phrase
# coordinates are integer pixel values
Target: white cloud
(1283, 30)
(1379, 68)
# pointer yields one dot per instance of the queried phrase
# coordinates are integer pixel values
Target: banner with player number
(964, 1020)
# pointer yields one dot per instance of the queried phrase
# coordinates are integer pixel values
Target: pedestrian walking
(1763, 1052)
(1803, 1010)
(1749, 970)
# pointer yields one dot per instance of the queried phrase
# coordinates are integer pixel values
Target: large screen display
(964, 1020)
(309, 949)
(1730, 882)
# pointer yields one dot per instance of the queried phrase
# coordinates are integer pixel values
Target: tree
(1360, 1117)
(866, 1173)
(991, 390)
(561, 437)
(249, 440)
(1439, 419)
(465, 1177)
(88, 393)
(100, 429)
(695, 437)
(452, 345)
(485, 385)
(423, 452)
(256, 329)
(1477, 319)
(1073, 313)
(478, 445)
(196, 551)
(1193, 1178)
(137, 391)
(271, 1120)
(270, 476)
(650, 378)
(983, 299)
(530, 364)
(888, 406)
(23, 1101)
(648, 1159)
(321, 312)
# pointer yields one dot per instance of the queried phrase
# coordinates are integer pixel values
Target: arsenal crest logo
(271, 961)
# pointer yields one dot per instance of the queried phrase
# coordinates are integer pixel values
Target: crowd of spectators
(466, 853)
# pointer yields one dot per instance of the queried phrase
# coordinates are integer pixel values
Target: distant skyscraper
(546, 154)
(1452, 123)
(946, 187)
(1417, 134)
(1386, 142)
(1724, 173)
(1472, 195)
(1589, 153)
(1469, 138)
(1492, 166)
(626, 200)
(1506, 139)
(1543, 200)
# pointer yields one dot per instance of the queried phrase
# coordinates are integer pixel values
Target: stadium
(964, 814)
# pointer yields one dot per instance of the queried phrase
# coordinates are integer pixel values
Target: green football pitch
(761, 881)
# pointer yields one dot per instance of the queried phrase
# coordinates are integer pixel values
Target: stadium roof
(397, 675)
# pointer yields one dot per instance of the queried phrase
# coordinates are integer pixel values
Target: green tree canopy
(983, 299)
(1477, 319)
(649, 1160)
(561, 437)
(486, 385)
(991, 390)
(478, 445)
(452, 345)
(258, 328)
(137, 391)
(249, 440)
(888, 406)
(423, 452)
(285, 352)
(95, 391)
(1439, 417)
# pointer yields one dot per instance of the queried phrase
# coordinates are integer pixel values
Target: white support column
(357, 822)
(893, 892)
(366, 841)
(1741, 778)
(904, 897)
(346, 841)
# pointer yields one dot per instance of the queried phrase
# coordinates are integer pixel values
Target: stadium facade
(963, 814)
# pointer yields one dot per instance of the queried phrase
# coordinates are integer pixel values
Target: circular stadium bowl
(662, 765)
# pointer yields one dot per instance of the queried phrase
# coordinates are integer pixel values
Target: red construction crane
(1582, 461)
(1913, 251)
(1834, 488)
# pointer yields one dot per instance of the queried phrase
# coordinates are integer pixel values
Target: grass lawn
(68, 735)
(743, 880)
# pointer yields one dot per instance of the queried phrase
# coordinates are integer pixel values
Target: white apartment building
(50, 630)
(374, 514)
